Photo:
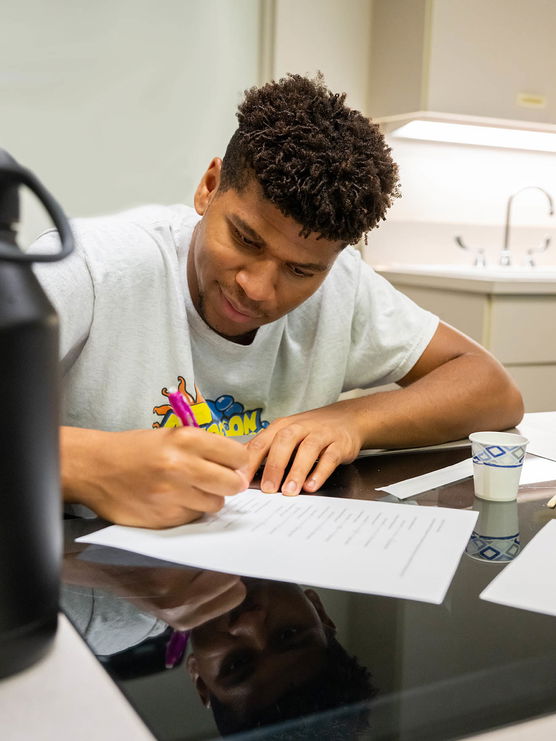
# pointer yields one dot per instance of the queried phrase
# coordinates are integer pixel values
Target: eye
(243, 240)
(288, 633)
(298, 272)
(234, 663)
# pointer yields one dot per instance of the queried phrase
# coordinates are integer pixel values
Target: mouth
(236, 312)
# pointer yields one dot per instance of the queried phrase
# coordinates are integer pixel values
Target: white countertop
(509, 281)
(67, 695)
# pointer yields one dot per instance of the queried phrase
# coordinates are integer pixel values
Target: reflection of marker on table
(552, 502)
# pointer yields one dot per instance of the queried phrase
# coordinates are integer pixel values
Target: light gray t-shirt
(129, 331)
(108, 623)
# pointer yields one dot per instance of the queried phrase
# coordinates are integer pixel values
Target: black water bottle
(30, 502)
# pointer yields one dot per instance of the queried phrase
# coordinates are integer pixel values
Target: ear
(208, 186)
(313, 597)
(200, 686)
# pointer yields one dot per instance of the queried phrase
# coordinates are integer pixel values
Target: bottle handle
(23, 176)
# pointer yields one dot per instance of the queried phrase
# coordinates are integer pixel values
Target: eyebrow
(250, 233)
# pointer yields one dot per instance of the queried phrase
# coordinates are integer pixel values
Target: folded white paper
(347, 544)
(527, 582)
(440, 477)
(534, 470)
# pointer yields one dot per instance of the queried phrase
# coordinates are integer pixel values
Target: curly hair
(343, 684)
(319, 162)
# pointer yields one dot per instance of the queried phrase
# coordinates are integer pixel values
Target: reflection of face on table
(261, 651)
(274, 641)
(274, 658)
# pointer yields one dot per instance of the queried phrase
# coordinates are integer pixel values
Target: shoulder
(131, 234)
(351, 275)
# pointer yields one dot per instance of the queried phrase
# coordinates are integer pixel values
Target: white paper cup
(497, 464)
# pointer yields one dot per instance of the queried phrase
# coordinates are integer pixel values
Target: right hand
(151, 478)
(181, 596)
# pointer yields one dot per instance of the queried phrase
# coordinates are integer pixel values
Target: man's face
(274, 641)
(247, 264)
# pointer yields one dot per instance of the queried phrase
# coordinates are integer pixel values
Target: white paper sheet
(534, 470)
(527, 582)
(347, 544)
(539, 429)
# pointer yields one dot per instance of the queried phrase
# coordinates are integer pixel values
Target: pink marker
(181, 408)
(185, 414)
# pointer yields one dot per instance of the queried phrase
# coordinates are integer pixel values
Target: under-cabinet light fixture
(485, 132)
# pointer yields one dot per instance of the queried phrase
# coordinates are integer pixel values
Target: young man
(256, 307)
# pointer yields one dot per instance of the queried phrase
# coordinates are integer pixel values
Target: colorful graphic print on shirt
(222, 416)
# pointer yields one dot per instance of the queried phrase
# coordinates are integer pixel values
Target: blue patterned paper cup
(497, 464)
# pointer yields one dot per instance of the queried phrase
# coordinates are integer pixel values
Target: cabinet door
(537, 384)
(472, 57)
(522, 329)
(483, 53)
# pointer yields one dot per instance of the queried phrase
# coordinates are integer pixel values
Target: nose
(250, 625)
(258, 281)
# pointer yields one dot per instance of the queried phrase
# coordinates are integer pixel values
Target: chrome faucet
(505, 254)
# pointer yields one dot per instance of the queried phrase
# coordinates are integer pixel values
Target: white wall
(121, 102)
(115, 103)
(328, 35)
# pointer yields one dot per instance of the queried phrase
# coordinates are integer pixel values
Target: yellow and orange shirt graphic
(222, 416)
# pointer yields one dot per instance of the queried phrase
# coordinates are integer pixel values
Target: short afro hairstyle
(319, 162)
(343, 684)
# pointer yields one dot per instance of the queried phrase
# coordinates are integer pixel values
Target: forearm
(467, 393)
(78, 461)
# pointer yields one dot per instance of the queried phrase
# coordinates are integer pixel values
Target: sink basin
(539, 273)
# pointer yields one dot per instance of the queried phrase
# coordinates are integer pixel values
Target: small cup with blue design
(497, 464)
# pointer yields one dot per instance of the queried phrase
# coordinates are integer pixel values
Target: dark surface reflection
(280, 657)
(259, 652)
(273, 658)
(495, 538)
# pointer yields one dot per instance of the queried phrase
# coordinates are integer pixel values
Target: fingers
(222, 603)
(257, 448)
(277, 443)
(216, 448)
(210, 478)
(299, 455)
(223, 452)
(306, 446)
(206, 585)
(190, 614)
(210, 463)
(326, 465)
(214, 593)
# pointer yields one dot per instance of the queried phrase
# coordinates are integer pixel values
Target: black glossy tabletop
(261, 659)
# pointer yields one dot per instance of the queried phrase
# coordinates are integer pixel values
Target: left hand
(326, 437)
